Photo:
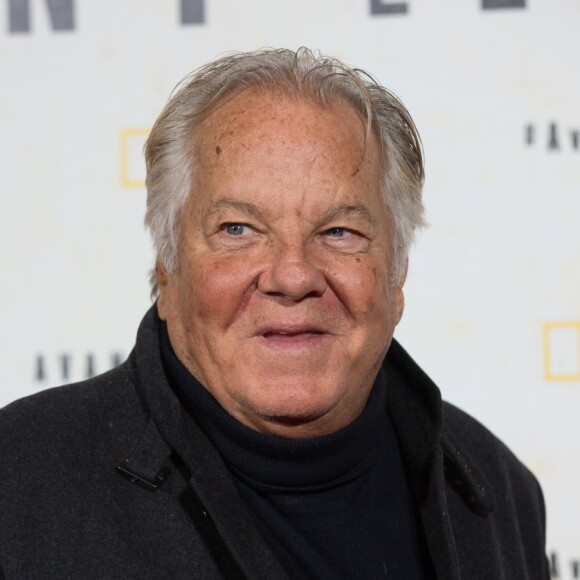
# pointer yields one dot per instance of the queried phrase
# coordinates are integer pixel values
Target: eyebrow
(350, 211)
(245, 207)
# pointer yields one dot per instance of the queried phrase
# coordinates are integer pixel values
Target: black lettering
(553, 142)
(575, 565)
(90, 369)
(575, 136)
(192, 11)
(529, 134)
(381, 7)
(65, 360)
(493, 4)
(61, 14)
(19, 15)
(40, 372)
(554, 568)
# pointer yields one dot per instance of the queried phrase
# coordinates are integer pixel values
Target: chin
(295, 413)
(294, 408)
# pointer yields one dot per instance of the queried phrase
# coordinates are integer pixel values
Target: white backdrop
(493, 295)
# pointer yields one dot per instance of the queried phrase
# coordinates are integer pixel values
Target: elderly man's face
(281, 304)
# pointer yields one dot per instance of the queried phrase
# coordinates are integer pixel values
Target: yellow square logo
(562, 351)
(132, 164)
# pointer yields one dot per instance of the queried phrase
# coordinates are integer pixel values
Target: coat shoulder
(70, 420)
(467, 435)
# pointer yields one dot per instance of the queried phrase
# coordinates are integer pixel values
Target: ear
(162, 278)
(398, 289)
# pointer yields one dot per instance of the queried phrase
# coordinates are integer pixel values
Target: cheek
(215, 289)
(362, 287)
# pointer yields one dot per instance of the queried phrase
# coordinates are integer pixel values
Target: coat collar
(417, 411)
(434, 458)
(414, 404)
(173, 442)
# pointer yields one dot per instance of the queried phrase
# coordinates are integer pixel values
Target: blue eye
(236, 229)
(336, 232)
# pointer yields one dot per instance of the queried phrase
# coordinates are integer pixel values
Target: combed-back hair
(304, 74)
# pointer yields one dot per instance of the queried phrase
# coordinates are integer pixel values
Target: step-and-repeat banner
(493, 294)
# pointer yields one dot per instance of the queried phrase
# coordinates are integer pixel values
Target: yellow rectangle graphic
(132, 165)
(562, 351)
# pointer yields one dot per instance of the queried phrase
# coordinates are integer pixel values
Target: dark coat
(111, 478)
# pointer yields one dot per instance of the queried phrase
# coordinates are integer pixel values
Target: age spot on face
(218, 150)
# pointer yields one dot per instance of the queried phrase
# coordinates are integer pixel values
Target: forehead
(263, 143)
(257, 107)
(270, 117)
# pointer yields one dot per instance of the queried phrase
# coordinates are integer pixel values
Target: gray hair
(303, 74)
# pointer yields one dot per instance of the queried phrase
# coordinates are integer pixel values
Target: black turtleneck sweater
(330, 507)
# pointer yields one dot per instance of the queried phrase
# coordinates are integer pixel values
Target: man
(266, 425)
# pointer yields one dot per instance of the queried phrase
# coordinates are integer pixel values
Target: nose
(292, 274)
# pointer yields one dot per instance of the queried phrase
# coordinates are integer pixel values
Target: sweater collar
(276, 462)
(414, 406)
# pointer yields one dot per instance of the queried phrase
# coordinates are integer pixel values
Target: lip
(292, 336)
(290, 329)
